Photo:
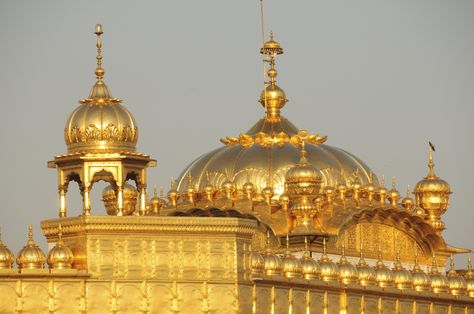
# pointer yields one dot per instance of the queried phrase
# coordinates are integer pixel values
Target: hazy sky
(380, 78)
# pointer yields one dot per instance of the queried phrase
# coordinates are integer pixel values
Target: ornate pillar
(142, 197)
(62, 201)
(119, 199)
(86, 206)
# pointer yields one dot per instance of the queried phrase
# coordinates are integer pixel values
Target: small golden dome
(291, 265)
(439, 282)
(457, 284)
(382, 191)
(310, 268)
(31, 256)
(402, 277)
(6, 256)
(329, 269)
(268, 192)
(303, 178)
(129, 196)
(101, 123)
(421, 280)
(248, 188)
(393, 194)
(383, 274)
(347, 272)
(156, 202)
(470, 278)
(408, 203)
(257, 264)
(60, 256)
(272, 262)
(432, 195)
(173, 194)
(366, 273)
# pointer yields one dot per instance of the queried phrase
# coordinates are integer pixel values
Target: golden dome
(310, 268)
(31, 256)
(402, 277)
(130, 195)
(457, 284)
(347, 272)
(251, 165)
(432, 195)
(439, 282)
(303, 178)
(329, 269)
(272, 262)
(257, 264)
(156, 202)
(421, 280)
(60, 256)
(291, 265)
(383, 274)
(366, 273)
(270, 148)
(6, 256)
(470, 278)
(408, 203)
(101, 123)
(393, 194)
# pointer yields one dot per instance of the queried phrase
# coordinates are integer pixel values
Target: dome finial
(273, 98)
(431, 165)
(155, 191)
(469, 264)
(30, 233)
(99, 71)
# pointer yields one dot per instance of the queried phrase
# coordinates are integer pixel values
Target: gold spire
(431, 165)
(99, 71)
(100, 93)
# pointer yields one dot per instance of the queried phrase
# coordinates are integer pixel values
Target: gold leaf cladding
(92, 133)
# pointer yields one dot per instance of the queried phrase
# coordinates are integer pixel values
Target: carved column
(62, 201)
(86, 206)
(119, 199)
(142, 199)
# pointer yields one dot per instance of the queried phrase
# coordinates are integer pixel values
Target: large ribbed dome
(255, 163)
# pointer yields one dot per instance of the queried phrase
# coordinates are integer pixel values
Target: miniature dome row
(324, 269)
(32, 257)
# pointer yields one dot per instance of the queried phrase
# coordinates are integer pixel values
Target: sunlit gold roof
(101, 123)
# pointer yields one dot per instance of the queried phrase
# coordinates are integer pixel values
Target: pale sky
(380, 78)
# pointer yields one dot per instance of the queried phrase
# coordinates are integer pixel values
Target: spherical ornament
(31, 256)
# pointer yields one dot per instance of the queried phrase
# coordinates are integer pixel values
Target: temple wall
(61, 295)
